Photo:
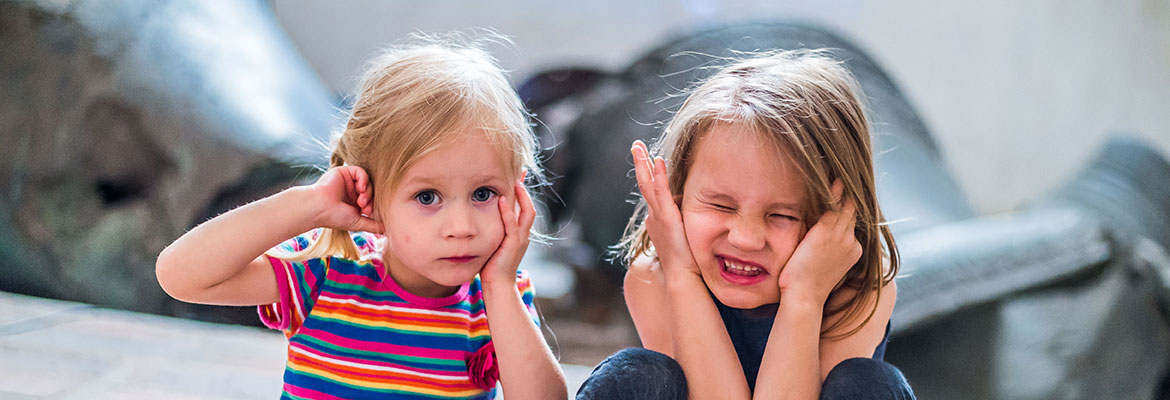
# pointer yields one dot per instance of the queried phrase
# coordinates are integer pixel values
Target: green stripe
(373, 355)
(373, 390)
(406, 331)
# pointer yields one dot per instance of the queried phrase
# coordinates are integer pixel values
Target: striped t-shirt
(353, 335)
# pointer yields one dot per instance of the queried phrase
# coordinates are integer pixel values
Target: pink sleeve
(297, 282)
(527, 294)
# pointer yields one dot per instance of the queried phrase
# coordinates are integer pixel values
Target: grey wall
(1018, 94)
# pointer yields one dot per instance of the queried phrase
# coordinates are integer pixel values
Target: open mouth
(740, 272)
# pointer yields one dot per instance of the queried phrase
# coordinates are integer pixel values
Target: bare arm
(796, 340)
(791, 367)
(527, 367)
(221, 261)
(865, 340)
(646, 298)
(701, 344)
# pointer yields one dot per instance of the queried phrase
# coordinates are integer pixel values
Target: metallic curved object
(123, 124)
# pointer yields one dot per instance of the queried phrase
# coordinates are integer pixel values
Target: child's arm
(795, 358)
(646, 298)
(864, 341)
(527, 367)
(701, 344)
(221, 261)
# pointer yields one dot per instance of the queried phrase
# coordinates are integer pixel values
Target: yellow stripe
(381, 385)
(405, 326)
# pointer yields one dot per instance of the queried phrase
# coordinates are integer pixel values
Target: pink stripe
(379, 375)
(377, 347)
(341, 301)
(402, 319)
(398, 304)
(308, 393)
(277, 315)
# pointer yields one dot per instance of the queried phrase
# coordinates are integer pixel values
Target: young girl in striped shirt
(414, 236)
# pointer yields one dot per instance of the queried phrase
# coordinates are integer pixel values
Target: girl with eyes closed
(760, 266)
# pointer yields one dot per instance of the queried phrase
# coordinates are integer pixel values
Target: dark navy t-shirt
(749, 330)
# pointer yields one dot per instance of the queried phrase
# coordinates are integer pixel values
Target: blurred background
(1034, 238)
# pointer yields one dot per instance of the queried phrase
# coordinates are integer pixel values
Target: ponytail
(330, 242)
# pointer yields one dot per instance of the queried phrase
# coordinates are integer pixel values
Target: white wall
(1018, 93)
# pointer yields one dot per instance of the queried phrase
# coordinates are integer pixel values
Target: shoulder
(369, 244)
(858, 309)
(645, 268)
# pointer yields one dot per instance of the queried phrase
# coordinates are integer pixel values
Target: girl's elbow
(166, 271)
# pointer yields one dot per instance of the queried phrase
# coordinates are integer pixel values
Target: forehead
(737, 162)
(469, 158)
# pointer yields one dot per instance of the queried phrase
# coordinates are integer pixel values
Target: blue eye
(483, 194)
(427, 197)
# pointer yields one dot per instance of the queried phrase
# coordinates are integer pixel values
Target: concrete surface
(52, 349)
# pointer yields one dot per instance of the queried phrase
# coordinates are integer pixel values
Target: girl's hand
(500, 270)
(345, 200)
(824, 256)
(663, 219)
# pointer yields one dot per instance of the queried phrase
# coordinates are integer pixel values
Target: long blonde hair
(809, 106)
(418, 96)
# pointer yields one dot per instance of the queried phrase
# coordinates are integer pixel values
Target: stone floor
(52, 349)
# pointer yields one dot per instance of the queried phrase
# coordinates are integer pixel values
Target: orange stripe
(358, 374)
(338, 304)
(367, 316)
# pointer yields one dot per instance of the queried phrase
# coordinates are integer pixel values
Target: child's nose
(459, 223)
(746, 235)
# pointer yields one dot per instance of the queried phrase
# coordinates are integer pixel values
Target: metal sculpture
(124, 124)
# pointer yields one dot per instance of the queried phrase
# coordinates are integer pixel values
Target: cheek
(702, 229)
(786, 240)
(491, 226)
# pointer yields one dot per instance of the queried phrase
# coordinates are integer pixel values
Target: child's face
(442, 222)
(741, 210)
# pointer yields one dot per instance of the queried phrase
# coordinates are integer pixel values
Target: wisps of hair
(413, 97)
(810, 106)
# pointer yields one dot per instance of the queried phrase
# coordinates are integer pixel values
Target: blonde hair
(809, 106)
(421, 95)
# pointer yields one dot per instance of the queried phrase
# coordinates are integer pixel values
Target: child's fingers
(363, 181)
(849, 214)
(642, 170)
(835, 192)
(507, 216)
(367, 224)
(527, 209)
(661, 187)
(349, 183)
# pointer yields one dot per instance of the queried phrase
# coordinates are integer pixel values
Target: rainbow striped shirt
(353, 335)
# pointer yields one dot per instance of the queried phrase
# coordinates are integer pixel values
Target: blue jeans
(637, 373)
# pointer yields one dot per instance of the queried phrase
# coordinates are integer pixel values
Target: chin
(743, 299)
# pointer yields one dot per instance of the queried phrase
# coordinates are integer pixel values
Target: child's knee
(865, 378)
(635, 373)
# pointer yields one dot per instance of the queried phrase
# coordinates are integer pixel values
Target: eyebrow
(437, 180)
(718, 196)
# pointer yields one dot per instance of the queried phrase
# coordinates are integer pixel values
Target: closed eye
(783, 216)
(722, 207)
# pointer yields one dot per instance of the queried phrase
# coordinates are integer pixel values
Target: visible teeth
(745, 269)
